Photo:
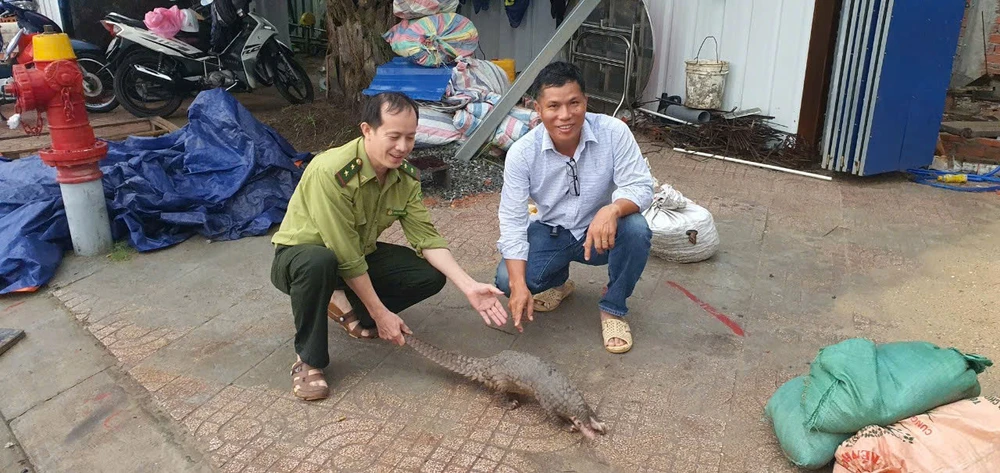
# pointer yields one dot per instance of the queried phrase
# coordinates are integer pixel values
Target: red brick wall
(992, 35)
(993, 46)
(978, 150)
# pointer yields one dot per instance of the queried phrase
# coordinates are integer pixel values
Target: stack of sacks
(476, 87)
(856, 383)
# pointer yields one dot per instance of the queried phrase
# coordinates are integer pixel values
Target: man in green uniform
(327, 258)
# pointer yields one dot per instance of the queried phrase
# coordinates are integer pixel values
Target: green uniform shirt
(339, 204)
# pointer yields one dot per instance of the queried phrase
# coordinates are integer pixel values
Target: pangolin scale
(520, 374)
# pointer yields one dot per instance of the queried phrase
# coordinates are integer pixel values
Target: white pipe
(87, 213)
(760, 165)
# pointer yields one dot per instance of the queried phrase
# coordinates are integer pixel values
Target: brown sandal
(350, 323)
(308, 385)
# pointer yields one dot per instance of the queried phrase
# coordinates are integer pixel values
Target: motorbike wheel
(135, 91)
(290, 78)
(98, 81)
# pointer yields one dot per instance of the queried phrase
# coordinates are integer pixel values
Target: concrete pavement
(67, 406)
(200, 331)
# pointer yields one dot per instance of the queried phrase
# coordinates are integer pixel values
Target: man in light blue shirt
(589, 181)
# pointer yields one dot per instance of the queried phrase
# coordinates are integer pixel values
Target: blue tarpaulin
(223, 176)
(417, 82)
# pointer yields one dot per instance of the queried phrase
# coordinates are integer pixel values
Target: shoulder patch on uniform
(410, 170)
(348, 171)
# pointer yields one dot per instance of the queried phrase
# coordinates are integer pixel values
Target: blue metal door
(891, 71)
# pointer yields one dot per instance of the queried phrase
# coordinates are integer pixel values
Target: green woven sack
(806, 449)
(855, 383)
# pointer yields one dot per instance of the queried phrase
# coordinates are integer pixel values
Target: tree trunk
(356, 47)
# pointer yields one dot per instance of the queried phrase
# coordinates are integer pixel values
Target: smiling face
(389, 144)
(563, 110)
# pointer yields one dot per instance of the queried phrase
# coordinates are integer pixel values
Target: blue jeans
(549, 258)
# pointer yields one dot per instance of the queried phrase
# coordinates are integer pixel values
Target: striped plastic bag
(434, 40)
(411, 9)
(435, 128)
(516, 124)
(468, 119)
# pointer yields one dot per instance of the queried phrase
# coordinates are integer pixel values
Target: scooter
(98, 79)
(154, 74)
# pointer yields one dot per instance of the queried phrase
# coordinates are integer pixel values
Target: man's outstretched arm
(424, 237)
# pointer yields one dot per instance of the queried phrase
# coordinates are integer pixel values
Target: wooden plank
(164, 123)
(980, 129)
(24, 145)
(9, 337)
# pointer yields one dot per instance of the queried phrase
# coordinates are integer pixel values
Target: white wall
(498, 40)
(50, 8)
(765, 41)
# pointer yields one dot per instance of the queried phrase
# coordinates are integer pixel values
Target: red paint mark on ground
(14, 305)
(708, 308)
(107, 422)
(102, 396)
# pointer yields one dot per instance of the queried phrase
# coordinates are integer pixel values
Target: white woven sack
(413, 9)
(683, 232)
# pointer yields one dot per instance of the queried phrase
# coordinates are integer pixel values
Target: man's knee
(429, 281)
(315, 265)
(436, 280)
(634, 228)
(502, 281)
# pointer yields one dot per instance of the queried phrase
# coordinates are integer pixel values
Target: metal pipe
(682, 114)
(87, 214)
(600, 60)
(657, 114)
(760, 165)
(605, 28)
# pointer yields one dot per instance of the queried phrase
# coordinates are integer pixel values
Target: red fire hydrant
(54, 85)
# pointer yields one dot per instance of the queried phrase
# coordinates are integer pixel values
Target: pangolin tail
(463, 365)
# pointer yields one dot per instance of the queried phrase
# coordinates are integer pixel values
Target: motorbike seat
(128, 21)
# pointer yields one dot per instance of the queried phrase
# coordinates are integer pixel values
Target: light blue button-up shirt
(609, 167)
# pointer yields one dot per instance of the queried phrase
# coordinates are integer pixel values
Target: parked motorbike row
(150, 74)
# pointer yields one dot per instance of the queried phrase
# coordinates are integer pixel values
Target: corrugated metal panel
(765, 41)
(50, 8)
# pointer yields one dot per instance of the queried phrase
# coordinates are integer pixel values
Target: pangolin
(519, 374)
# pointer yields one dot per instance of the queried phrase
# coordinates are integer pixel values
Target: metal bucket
(705, 80)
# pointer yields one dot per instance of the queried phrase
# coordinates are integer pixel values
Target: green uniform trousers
(308, 273)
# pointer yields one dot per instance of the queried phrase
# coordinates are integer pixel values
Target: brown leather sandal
(350, 323)
(308, 385)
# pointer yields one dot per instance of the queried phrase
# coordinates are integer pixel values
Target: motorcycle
(98, 80)
(154, 74)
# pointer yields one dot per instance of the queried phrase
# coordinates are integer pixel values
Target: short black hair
(397, 103)
(557, 74)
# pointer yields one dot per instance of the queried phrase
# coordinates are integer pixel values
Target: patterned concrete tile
(802, 264)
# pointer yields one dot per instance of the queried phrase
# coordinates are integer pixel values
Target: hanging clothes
(516, 10)
(559, 10)
(478, 4)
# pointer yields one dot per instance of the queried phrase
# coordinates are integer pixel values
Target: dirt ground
(314, 127)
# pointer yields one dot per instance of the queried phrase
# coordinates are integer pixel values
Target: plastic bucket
(508, 66)
(705, 80)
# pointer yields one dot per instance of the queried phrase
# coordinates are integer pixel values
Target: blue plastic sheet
(417, 82)
(223, 176)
